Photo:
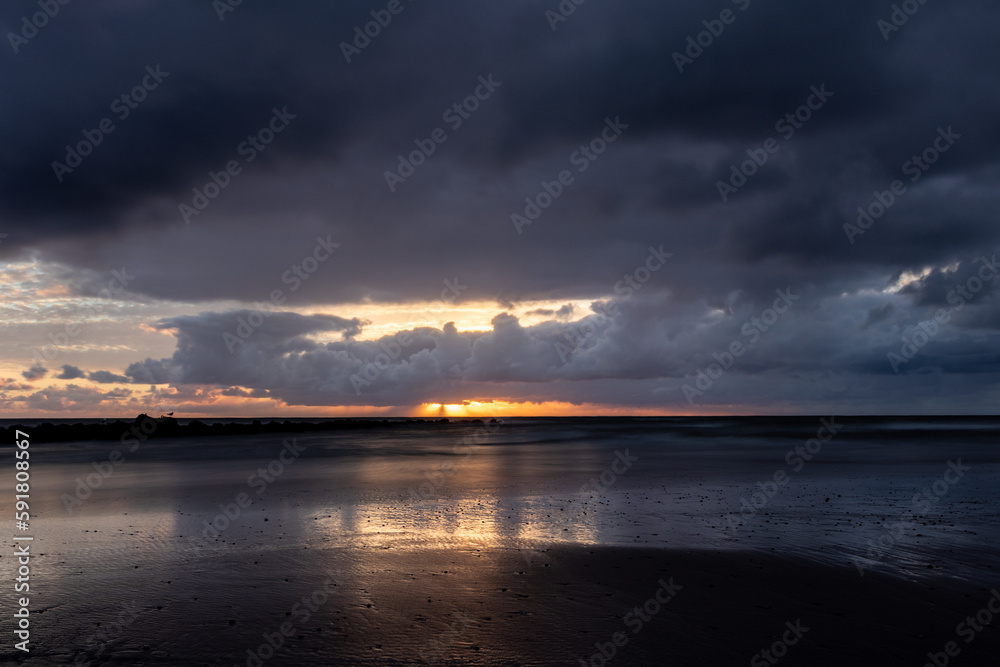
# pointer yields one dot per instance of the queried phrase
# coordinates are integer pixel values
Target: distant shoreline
(148, 427)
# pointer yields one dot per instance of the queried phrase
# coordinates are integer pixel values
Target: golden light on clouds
(387, 319)
(108, 335)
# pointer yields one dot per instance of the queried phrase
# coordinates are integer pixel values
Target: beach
(524, 542)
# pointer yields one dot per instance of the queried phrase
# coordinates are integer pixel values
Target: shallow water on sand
(152, 548)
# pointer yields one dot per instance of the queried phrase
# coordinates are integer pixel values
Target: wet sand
(469, 606)
(506, 562)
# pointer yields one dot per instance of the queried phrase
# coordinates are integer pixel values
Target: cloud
(69, 398)
(639, 340)
(36, 372)
(655, 184)
(70, 372)
(562, 313)
(209, 342)
(105, 377)
(878, 314)
(10, 384)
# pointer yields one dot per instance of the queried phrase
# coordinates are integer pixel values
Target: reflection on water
(537, 483)
(485, 521)
(352, 509)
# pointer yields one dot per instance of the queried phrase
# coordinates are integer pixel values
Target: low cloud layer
(688, 356)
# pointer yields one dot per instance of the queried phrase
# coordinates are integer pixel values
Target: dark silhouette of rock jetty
(169, 427)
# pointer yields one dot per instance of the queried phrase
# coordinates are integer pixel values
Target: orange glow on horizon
(500, 408)
(238, 403)
(211, 405)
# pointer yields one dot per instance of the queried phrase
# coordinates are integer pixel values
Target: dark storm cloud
(878, 314)
(208, 342)
(971, 281)
(918, 107)
(353, 119)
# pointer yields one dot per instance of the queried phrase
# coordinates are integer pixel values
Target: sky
(519, 208)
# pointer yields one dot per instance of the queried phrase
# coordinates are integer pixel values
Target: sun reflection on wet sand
(483, 521)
